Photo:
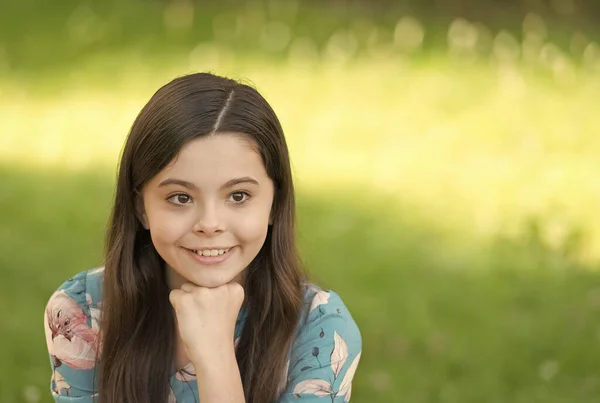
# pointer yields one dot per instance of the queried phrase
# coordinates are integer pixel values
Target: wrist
(212, 357)
(218, 377)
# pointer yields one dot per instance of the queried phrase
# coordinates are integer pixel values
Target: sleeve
(71, 331)
(325, 354)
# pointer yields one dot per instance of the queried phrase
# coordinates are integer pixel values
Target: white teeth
(212, 252)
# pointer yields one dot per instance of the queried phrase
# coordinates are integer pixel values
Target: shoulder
(71, 320)
(327, 348)
(325, 322)
(71, 327)
(325, 304)
(84, 288)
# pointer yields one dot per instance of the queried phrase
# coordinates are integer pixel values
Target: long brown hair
(138, 328)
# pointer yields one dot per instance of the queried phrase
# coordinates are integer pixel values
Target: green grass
(451, 201)
(442, 320)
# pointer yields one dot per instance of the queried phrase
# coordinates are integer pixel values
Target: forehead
(216, 159)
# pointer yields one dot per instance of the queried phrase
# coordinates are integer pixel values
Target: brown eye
(180, 199)
(239, 197)
(183, 199)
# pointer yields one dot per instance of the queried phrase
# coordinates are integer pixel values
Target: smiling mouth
(210, 252)
(210, 256)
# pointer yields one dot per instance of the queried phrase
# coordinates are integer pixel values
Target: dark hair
(138, 320)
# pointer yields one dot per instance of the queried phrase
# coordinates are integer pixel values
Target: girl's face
(208, 211)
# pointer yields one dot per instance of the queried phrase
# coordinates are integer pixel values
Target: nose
(208, 221)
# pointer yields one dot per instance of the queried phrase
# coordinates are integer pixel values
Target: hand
(206, 319)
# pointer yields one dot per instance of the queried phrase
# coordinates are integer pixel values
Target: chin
(211, 281)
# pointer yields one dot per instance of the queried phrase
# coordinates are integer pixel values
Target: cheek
(167, 228)
(252, 227)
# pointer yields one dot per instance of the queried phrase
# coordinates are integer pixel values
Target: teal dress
(320, 366)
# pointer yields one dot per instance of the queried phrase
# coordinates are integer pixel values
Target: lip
(210, 259)
(211, 248)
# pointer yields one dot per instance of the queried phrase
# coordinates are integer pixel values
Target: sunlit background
(445, 154)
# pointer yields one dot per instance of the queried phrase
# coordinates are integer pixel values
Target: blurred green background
(445, 155)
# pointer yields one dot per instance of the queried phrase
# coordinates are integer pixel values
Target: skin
(226, 203)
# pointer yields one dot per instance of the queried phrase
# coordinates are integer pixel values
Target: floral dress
(322, 361)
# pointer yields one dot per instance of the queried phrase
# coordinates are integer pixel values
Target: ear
(140, 211)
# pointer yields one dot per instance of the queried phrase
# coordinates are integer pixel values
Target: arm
(206, 322)
(219, 379)
(325, 355)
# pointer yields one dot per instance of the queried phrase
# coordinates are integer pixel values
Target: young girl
(202, 297)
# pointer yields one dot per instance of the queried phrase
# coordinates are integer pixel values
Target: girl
(201, 297)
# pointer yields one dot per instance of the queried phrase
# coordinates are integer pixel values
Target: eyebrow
(236, 181)
(191, 186)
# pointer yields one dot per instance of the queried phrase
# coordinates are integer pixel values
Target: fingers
(188, 287)
(233, 289)
(236, 291)
(175, 296)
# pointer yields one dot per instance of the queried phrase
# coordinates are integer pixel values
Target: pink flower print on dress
(69, 338)
(187, 373)
(171, 397)
(60, 383)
